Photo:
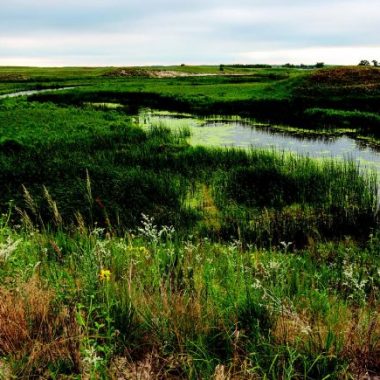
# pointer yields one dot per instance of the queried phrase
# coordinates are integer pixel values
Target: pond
(236, 132)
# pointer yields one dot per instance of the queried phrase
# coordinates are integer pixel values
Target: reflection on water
(236, 132)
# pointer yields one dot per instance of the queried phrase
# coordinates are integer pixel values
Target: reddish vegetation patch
(348, 76)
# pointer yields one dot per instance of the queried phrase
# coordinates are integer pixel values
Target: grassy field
(127, 253)
(284, 95)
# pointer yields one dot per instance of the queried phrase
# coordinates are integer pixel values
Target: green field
(347, 96)
(127, 252)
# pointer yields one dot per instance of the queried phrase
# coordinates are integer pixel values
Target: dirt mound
(348, 76)
(135, 72)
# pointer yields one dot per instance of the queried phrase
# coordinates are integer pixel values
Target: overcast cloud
(131, 32)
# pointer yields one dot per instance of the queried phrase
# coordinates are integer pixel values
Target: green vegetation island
(190, 222)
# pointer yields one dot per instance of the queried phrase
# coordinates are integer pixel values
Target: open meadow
(164, 222)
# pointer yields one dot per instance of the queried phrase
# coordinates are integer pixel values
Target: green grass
(260, 196)
(186, 308)
(332, 118)
(256, 93)
(270, 94)
(125, 250)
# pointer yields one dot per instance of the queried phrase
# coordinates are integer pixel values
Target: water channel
(32, 92)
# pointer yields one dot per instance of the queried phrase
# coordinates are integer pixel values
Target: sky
(149, 32)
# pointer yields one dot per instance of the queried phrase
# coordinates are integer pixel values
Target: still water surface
(235, 132)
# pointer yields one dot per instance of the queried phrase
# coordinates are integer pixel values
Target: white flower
(257, 284)
(150, 230)
(286, 245)
(90, 357)
(274, 265)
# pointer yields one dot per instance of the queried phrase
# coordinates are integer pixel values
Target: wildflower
(151, 231)
(274, 265)
(257, 284)
(104, 275)
(143, 250)
(91, 357)
(286, 245)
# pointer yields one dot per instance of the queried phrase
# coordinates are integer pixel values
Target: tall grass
(367, 122)
(151, 302)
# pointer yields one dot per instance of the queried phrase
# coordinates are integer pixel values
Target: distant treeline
(318, 65)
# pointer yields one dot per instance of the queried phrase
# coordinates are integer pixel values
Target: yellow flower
(143, 250)
(104, 275)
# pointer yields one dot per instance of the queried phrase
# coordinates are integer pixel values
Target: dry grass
(362, 344)
(185, 315)
(357, 337)
(348, 77)
(244, 372)
(291, 328)
(153, 366)
(34, 332)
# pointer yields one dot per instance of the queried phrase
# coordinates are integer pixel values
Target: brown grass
(362, 344)
(357, 337)
(348, 77)
(36, 332)
(154, 366)
(151, 366)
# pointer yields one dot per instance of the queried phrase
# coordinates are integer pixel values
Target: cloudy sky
(144, 32)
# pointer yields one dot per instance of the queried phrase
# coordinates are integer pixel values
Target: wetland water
(222, 131)
(32, 92)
